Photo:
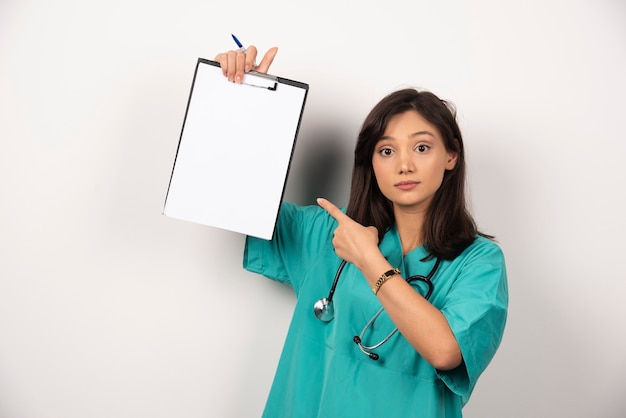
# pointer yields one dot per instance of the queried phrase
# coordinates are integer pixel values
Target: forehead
(409, 123)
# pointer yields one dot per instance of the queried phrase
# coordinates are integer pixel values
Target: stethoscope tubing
(336, 280)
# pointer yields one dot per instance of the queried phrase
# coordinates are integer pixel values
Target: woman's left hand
(353, 242)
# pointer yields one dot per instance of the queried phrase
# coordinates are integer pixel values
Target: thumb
(267, 60)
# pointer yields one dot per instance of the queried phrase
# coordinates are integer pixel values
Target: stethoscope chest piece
(324, 310)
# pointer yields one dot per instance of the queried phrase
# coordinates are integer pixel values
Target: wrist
(383, 278)
(371, 264)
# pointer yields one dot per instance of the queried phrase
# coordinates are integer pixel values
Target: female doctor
(401, 300)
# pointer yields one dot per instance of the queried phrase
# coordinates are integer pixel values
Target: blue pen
(239, 44)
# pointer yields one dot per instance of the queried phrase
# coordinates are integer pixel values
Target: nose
(405, 161)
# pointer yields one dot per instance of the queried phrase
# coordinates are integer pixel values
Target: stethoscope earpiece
(370, 354)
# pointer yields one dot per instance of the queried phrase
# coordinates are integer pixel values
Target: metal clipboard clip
(260, 80)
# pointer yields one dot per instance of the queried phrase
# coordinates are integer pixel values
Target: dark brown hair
(448, 226)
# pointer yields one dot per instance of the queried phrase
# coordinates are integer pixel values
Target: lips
(406, 185)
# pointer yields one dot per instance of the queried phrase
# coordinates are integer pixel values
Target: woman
(406, 225)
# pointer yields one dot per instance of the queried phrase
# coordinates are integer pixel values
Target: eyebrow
(413, 135)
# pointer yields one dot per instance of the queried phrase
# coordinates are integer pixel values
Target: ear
(452, 157)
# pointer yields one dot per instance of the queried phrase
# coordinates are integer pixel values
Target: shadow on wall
(321, 167)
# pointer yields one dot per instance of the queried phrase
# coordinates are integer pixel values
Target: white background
(110, 309)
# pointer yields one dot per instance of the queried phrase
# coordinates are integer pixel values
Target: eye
(385, 152)
(422, 148)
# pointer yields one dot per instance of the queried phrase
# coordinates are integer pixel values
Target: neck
(409, 226)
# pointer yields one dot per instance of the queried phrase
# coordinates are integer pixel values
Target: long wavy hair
(448, 227)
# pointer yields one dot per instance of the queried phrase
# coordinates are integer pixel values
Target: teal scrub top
(322, 372)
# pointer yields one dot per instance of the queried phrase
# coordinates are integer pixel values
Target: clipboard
(235, 150)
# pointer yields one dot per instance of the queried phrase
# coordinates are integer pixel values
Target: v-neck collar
(410, 264)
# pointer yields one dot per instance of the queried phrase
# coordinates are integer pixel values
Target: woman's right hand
(235, 63)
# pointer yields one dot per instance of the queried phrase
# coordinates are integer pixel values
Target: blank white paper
(234, 151)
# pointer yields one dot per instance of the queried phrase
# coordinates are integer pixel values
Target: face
(410, 160)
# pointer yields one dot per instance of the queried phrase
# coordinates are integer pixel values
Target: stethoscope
(323, 308)
(325, 312)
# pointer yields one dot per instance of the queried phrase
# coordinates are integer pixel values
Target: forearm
(423, 325)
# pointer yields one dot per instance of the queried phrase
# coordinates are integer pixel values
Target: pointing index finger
(332, 210)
